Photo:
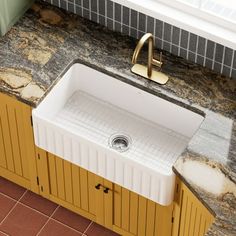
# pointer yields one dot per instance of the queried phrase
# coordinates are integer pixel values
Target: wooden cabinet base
(17, 150)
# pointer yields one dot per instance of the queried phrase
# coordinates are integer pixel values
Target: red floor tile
(11, 189)
(98, 230)
(54, 228)
(39, 203)
(23, 221)
(71, 219)
(6, 205)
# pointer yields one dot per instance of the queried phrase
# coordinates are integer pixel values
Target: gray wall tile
(210, 49)
(167, 37)
(118, 12)
(193, 42)
(228, 56)
(234, 61)
(159, 28)
(217, 67)
(167, 32)
(141, 22)
(102, 7)
(201, 46)
(110, 9)
(86, 4)
(94, 6)
(126, 15)
(176, 35)
(55, 2)
(184, 39)
(150, 25)
(134, 18)
(219, 53)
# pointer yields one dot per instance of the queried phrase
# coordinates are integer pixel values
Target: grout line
(47, 221)
(13, 207)
(106, 13)
(214, 57)
(98, 12)
(171, 36)
(222, 62)
(180, 35)
(195, 59)
(188, 42)
(23, 204)
(41, 213)
(67, 226)
(205, 51)
(162, 34)
(232, 61)
(90, 10)
(87, 227)
(129, 27)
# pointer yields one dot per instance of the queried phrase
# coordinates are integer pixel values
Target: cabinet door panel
(136, 215)
(66, 184)
(192, 217)
(17, 152)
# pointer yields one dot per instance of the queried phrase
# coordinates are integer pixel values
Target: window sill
(183, 20)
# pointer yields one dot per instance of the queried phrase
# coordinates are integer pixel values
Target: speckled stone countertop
(47, 40)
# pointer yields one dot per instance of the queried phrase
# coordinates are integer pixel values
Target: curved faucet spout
(138, 48)
(151, 60)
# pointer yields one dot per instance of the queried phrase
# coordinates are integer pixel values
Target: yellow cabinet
(191, 217)
(17, 151)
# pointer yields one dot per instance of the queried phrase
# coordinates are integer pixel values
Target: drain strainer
(120, 142)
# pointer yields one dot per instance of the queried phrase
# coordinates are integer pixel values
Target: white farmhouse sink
(86, 109)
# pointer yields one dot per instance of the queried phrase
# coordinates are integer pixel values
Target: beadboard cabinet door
(17, 150)
(136, 215)
(68, 185)
(190, 215)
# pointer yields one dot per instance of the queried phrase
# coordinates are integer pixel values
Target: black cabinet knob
(106, 190)
(98, 186)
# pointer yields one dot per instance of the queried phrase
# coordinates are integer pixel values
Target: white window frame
(209, 17)
(184, 20)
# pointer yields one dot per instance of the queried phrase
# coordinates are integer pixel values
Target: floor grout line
(77, 231)
(13, 207)
(87, 228)
(50, 217)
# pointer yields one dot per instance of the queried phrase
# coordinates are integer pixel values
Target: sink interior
(95, 107)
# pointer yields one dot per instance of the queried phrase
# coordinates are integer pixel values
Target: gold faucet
(148, 72)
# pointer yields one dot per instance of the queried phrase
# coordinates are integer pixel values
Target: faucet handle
(161, 57)
(157, 63)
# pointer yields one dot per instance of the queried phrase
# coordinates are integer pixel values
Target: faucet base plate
(157, 76)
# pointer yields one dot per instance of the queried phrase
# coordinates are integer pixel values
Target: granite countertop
(46, 40)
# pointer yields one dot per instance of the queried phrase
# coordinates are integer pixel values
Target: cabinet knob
(98, 186)
(106, 190)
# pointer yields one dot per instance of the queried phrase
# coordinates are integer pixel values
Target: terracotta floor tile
(39, 203)
(6, 205)
(54, 228)
(11, 189)
(23, 221)
(71, 219)
(98, 230)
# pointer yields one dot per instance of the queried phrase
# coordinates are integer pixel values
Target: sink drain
(120, 142)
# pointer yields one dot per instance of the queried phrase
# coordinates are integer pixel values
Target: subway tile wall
(167, 37)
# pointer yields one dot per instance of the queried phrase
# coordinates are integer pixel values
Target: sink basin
(115, 130)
